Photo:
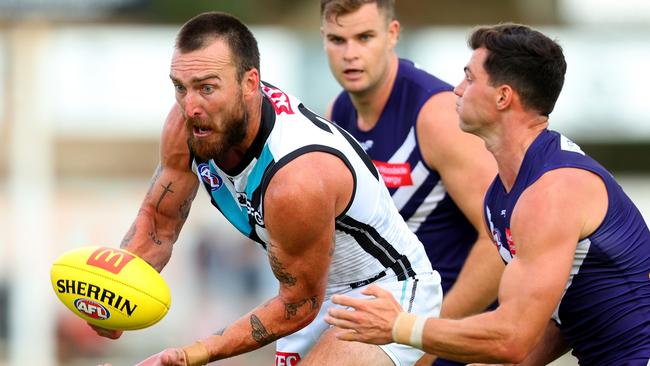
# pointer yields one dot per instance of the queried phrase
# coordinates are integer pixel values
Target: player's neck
(370, 103)
(509, 144)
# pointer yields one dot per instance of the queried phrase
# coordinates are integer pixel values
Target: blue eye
(336, 40)
(179, 88)
(207, 89)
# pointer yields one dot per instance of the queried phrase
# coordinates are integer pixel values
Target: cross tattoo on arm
(167, 189)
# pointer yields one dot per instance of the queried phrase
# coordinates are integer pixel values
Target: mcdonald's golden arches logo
(112, 260)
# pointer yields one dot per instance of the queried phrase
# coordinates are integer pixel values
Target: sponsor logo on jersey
(250, 210)
(395, 174)
(213, 180)
(112, 260)
(92, 309)
(286, 359)
(279, 100)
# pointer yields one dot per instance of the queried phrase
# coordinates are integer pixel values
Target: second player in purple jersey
(418, 190)
(604, 313)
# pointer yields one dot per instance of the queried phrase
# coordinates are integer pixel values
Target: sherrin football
(111, 288)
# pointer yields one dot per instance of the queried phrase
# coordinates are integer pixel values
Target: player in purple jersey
(576, 247)
(405, 119)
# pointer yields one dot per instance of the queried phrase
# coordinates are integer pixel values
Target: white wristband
(408, 329)
(416, 333)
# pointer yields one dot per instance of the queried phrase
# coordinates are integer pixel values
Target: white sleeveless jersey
(371, 240)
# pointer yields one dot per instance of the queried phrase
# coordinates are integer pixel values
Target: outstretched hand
(371, 321)
(168, 357)
(107, 333)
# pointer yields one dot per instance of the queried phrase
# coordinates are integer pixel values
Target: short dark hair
(332, 9)
(524, 58)
(206, 27)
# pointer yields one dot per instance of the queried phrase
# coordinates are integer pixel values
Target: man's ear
(393, 32)
(250, 81)
(504, 96)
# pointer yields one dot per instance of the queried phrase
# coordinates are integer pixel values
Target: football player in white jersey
(291, 181)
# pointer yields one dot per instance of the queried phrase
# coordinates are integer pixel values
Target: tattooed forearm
(184, 212)
(166, 189)
(291, 309)
(129, 235)
(279, 271)
(154, 179)
(152, 235)
(259, 332)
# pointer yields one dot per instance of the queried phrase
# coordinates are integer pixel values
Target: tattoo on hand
(259, 333)
(280, 272)
(154, 238)
(291, 309)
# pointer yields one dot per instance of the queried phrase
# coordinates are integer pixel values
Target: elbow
(511, 351)
(300, 319)
(308, 317)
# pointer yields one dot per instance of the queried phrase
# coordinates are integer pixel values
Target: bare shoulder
(564, 198)
(307, 193)
(438, 115)
(174, 151)
(440, 137)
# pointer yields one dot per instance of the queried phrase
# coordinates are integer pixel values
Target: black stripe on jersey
(415, 286)
(372, 243)
(256, 199)
(314, 118)
(359, 150)
(269, 173)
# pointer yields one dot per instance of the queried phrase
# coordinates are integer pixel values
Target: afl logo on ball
(214, 181)
(92, 309)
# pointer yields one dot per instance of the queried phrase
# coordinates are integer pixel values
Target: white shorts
(421, 295)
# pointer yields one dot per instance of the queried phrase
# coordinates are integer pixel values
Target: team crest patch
(211, 179)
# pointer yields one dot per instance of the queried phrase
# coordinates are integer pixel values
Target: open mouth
(201, 131)
(352, 73)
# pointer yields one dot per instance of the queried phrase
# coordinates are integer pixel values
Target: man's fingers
(343, 314)
(374, 290)
(347, 301)
(341, 323)
(350, 336)
(108, 333)
(172, 356)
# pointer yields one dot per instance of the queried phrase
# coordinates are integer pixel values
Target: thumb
(172, 356)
